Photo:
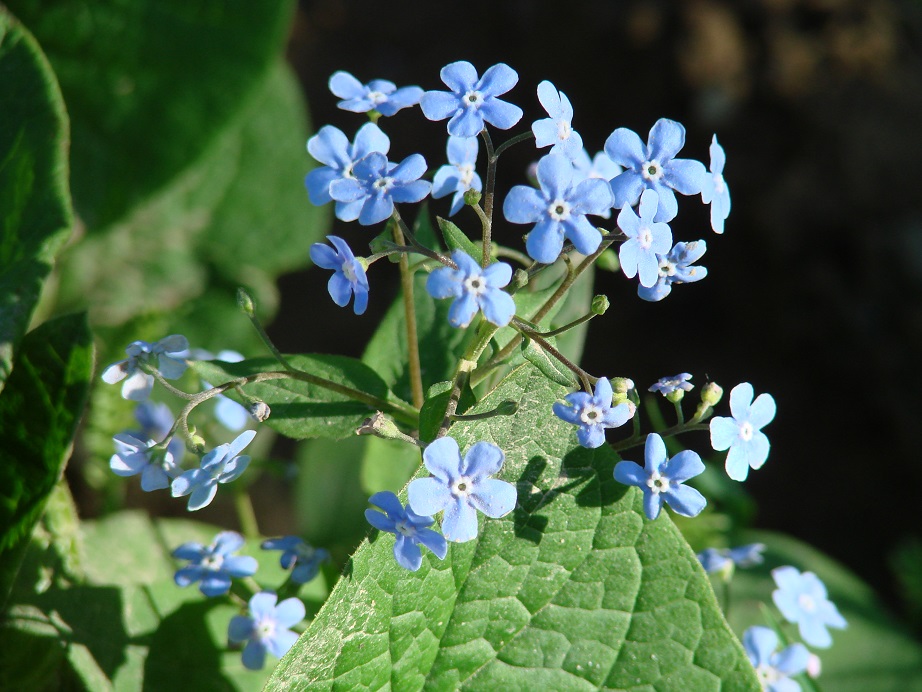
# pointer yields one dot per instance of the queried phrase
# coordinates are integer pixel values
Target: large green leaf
(301, 409)
(33, 181)
(573, 590)
(39, 411)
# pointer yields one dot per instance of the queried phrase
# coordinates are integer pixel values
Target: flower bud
(245, 301)
(197, 444)
(472, 197)
(520, 278)
(384, 427)
(621, 385)
(608, 261)
(711, 394)
(259, 410)
(675, 396)
(600, 305)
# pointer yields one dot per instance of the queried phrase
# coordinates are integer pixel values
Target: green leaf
(549, 366)
(37, 215)
(456, 239)
(573, 590)
(39, 411)
(432, 413)
(387, 464)
(873, 653)
(301, 409)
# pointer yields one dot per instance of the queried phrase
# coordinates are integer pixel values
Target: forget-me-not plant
(267, 627)
(742, 433)
(156, 421)
(668, 385)
(377, 184)
(716, 559)
(409, 528)
(133, 456)
(474, 290)
(646, 239)
(348, 278)
(169, 353)
(378, 95)
(714, 191)
(214, 565)
(594, 413)
(556, 131)
(675, 268)
(300, 557)
(459, 175)
(802, 599)
(223, 464)
(774, 668)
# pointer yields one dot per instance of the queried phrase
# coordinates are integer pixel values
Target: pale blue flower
(802, 599)
(653, 167)
(599, 166)
(742, 434)
(558, 209)
(715, 559)
(593, 413)
(133, 456)
(305, 558)
(378, 95)
(661, 479)
(169, 354)
(675, 268)
(556, 130)
(774, 670)
(228, 412)
(266, 628)
(156, 421)
(377, 184)
(220, 465)
(474, 290)
(714, 191)
(667, 385)
(214, 565)
(459, 176)
(349, 278)
(461, 487)
(331, 148)
(472, 100)
(646, 239)
(411, 530)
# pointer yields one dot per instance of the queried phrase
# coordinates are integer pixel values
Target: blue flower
(169, 352)
(214, 565)
(675, 268)
(305, 558)
(474, 289)
(133, 456)
(647, 238)
(557, 129)
(661, 479)
(220, 465)
(410, 528)
(801, 598)
(460, 488)
(458, 177)
(266, 628)
(331, 148)
(774, 669)
(742, 433)
(377, 184)
(227, 412)
(558, 209)
(653, 167)
(593, 414)
(667, 385)
(715, 559)
(598, 166)
(472, 100)
(156, 421)
(348, 273)
(714, 191)
(378, 95)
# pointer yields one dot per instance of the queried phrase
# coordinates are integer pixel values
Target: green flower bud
(472, 197)
(711, 394)
(245, 301)
(675, 396)
(608, 261)
(600, 305)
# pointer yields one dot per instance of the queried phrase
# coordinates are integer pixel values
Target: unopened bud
(520, 278)
(384, 427)
(259, 410)
(472, 197)
(197, 444)
(608, 261)
(507, 408)
(245, 301)
(675, 396)
(621, 385)
(711, 394)
(600, 305)
(814, 666)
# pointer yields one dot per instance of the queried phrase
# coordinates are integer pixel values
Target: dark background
(814, 290)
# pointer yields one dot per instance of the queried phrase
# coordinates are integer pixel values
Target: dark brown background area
(814, 290)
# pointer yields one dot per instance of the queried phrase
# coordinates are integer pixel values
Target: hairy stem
(409, 308)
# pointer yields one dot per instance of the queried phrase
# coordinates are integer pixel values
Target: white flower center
(377, 97)
(666, 268)
(559, 210)
(563, 130)
(806, 602)
(462, 487)
(349, 272)
(475, 285)
(383, 184)
(213, 562)
(466, 174)
(645, 237)
(265, 629)
(657, 483)
(767, 675)
(746, 431)
(347, 171)
(651, 170)
(473, 99)
(403, 528)
(719, 184)
(591, 414)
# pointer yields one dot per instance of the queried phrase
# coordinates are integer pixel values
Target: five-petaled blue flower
(742, 434)
(378, 95)
(331, 148)
(377, 184)
(646, 239)
(593, 414)
(556, 130)
(716, 559)
(676, 268)
(266, 628)
(661, 479)
(558, 209)
(667, 385)
(221, 465)
(472, 100)
(410, 528)
(714, 191)
(348, 273)
(305, 558)
(802, 599)
(474, 289)
(458, 177)
(169, 352)
(461, 487)
(214, 565)
(653, 167)
(133, 456)
(774, 670)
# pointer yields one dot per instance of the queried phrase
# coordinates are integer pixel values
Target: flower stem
(585, 378)
(487, 218)
(245, 514)
(409, 308)
(569, 279)
(466, 365)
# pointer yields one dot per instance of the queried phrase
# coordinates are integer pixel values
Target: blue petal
(347, 190)
(629, 255)
(793, 660)
(545, 241)
(411, 192)
(737, 465)
(497, 80)
(549, 98)
(626, 188)
(380, 521)
(459, 523)
(445, 182)
(482, 459)
(330, 147)
(438, 105)
(375, 210)
(760, 643)
(654, 453)
(494, 497)
(459, 76)
(570, 414)
(427, 496)
(685, 501)
(524, 204)
(215, 584)
(497, 275)
(202, 496)
(444, 282)
(443, 459)
(652, 503)
(629, 222)
(501, 114)
(411, 168)
(649, 202)
(340, 289)
(254, 655)
(240, 628)
(467, 122)
(668, 205)
(762, 411)
(280, 644)
(389, 502)
(234, 469)
(345, 86)
(325, 257)
(630, 473)
(667, 137)
(584, 236)
(189, 551)
(370, 138)
(318, 183)
(594, 196)
(188, 575)
(434, 541)
(591, 436)
(684, 465)
(685, 175)
(555, 174)
(740, 400)
(240, 565)
(625, 148)
(498, 307)
(227, 542)
(545, 132)
(289, 612)
(407, 553)
(724, 432)
(463, 310)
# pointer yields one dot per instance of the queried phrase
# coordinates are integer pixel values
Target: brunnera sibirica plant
(532, 547)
